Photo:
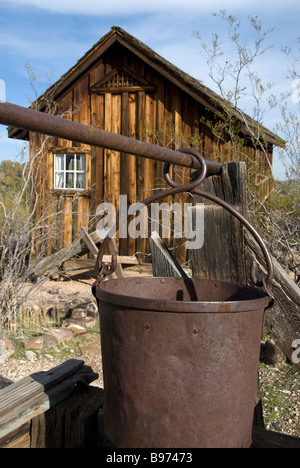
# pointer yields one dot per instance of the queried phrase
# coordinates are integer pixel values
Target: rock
(62, 310)
(30, 307)
(273, 355)
(50, 340)
(37, 342)
(92, 309)
(87, 322)
(31, 356)
(76, 329)
(53, 336)
(54, 290)
(79, 312)
(2, 352)
(7, 349)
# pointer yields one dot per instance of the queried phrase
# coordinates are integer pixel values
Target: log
(52, 264)
(283, 320)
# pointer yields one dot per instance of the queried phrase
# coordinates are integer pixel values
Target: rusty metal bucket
(180, 361)
(180, 356)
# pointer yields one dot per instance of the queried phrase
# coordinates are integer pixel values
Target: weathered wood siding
(123, 94)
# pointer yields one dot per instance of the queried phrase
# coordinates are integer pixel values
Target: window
(69, 171)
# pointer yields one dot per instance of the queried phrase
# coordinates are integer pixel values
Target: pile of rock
(76, 312)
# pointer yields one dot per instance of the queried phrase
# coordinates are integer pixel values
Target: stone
(31, 355)
(2, 352)
(62, 310)
(92, 309)
(79, 312)
(37, 342)
(50, 340)
(76, 329)
(7, 349)
(273, 355)
(54, 290)
(53, 336)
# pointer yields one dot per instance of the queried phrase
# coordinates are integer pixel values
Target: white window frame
(63, 172)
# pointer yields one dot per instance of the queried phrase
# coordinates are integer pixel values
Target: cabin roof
(185, 82)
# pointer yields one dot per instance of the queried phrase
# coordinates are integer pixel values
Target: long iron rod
(47, 124)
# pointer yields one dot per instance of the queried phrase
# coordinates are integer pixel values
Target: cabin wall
(155, 110)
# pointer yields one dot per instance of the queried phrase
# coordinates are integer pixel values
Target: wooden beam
(283, 320)
(163, 262)
(52, 264)
(22, 401)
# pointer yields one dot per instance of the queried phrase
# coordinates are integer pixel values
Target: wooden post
(222, 256)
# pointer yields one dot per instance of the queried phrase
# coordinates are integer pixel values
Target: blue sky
(52, 35)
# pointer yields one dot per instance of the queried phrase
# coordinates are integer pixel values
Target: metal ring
(198, 180)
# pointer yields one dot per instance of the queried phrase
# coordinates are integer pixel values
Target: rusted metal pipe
(47, 124)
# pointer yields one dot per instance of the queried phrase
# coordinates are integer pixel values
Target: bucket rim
(104, 293)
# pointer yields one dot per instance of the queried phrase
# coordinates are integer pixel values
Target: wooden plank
(67, 220)
(89, 242)
(261, 438)
(72, 423)
(131, 173)
(19, 438)
(51, 265)
(163, 262)
(26, 399)
(94, 251)
(283, 320)
(122, 259)
(83, 206)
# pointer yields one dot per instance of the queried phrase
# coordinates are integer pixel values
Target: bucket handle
(104, 270)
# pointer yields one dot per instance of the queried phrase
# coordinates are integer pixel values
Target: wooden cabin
(123, 86)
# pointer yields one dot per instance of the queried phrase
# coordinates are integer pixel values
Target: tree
(237, 81)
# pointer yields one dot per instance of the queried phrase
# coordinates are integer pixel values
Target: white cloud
(129, 7)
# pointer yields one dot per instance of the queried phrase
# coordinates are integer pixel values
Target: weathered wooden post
(222, 256)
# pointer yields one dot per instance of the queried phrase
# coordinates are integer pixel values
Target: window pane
(80, 181)
(69, 171)
(80, 162)
(59, 180)
(70, 162)
(59, 162)
(69, 180)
